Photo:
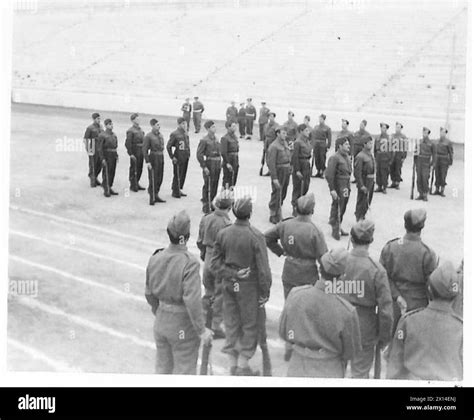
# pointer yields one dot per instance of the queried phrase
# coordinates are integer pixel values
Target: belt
(304, 261)
(319, 353)
(111, 150)
(370, 176)
(138, 145)
(232, 153)
(198, 111)
(157, 152)
(305, 158)
(283, 165)
(213, 158)
(320, 140)
(172, 307)
(343, 176)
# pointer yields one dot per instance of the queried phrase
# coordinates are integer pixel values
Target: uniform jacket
(172, 277)
(179, 140)
(428, 345)
(231, 114)
(339, 171)
(91, 135)
(107, 142)
(359, 138)
(209, 226)
(208, 147)
(250, 112)
(278, 153)
(270, 134)
(364, 169)
(444, 151)
(186, 108)
(263, 115)
(241, 115)
(399, 145)
(382, 151)
(321, 133)
(229, 144)
(425, 150)
(291, 129)
(153, 142)
(198, 107)
(134, 139)
(301, 151)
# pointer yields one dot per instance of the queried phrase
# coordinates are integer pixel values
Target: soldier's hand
(243, 273)
(148, 165)
(104, 162)
(206, 336)
(175, 161)
(276, 183)
(299, 175)
(364, 189)
(334, 195)
(229, 167)
(402, 304)
(262, 301)
(206, 171)
(133, 157)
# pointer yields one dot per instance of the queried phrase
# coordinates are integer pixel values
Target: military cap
(95, 115)
(307, 117)
(181, 120)
(340, 141)
(153, 121)
(364, 122)
(179, 224)
(133, 116)
(323, 116)
(281, 128)
(107, 121)
(242, 207)
(334, 261)
(444, 129)
(344, 120)
(382, 124)
(302, 127)
(228, 124)
(399, 123)
(242, 103)
(249, 99)
(208, 124)
(263, 103)
(363, 232)
(445, 280)
(272, 113)
(415, 219)
(427, 129)
(196, 97)
(291, 113)
(305, 204)
(366, 139)
(224, 200)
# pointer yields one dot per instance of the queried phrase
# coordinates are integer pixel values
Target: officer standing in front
(241, 120)
(179, 140)
(399, 147)
(383, 158)
(364, 173)
(231, 113)
(134, 145)
(291, 128)
(321, 140)
(198, 109)
(424, 159)
(173, 290)
(107, 145)
(91, 142)
(153, 146)
(444, 159)
(186, 110)
(300, 162)
(262, 120)
(250, 117)
(230, 156)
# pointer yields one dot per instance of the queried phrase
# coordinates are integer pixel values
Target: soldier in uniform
(153, 146)
(345, 132)
(240, 259)
(409, 263)
(424, 160)
(383, 158)
(291, 129)
(241, 120)
(428, 342)
(107, 148)
(134, 145)
(338, 175)
(399, 145)
(302, 243)
(306, 122)
(372, 299)
(173, 290)
(364, 173)
(270, 135)
(321, 140)
(209, 157)
(231, 113)
(179, 140)
(262, 120)
(186, 110)
(300, 162)
(210, 225)
(278, 161)
(250, 117)
(198, 109)
(90, 141)
(444, 159)
(322, 327)
(230, 156)
(359, 139)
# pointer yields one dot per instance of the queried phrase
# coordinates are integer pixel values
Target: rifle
(262, 340)
(105, 180)
(152, 180)
(262, 161)
(338, 225)
(209, 192)
(178, 177)
(133, 162)
(378, 361)
(206, 348)
(432, 180)
(413, 178)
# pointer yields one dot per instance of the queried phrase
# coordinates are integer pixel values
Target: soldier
(428, 343)
(278, 161)
(250, 117)
(321, 140)
(90, 141)
(270, 136)
(359, 139)
(173, 290)
(232, 113)
(302, 243)
(291, 129)
(399, 146)
(241, 120)
(424, 159)
(322, 327)
(153, 146)
(186, 109)
(198, 109)
(367, 282)
(262, 120)
(364, 173)
(240, 259)
(134, 145)
(338, 177)
(300, 162)
(179, 140)
(209, 157)
(107, 145)
(444, 159)
(210, 225)
(306, 121)
(345, 132)
(230, 156)
(383, 158)
(409, 263)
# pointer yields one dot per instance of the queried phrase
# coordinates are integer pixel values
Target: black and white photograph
(238, 188)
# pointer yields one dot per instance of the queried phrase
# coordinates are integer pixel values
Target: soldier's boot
(93, 182)
(158, 199)
(344, 233)
(384, 190)
(441, 192)
(97, 183)
(336, 232)
(288, 353)
(393, 185)
(232, 370)
(152, 202)
(420, 197)
(379, 189)
(425, 197)
(140, 188)
(246, 371)
(112, 192)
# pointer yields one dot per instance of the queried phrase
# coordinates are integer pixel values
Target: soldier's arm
(217, 263)
(430, 262)
(396, 362)
(224, 147)
(351, 341)
(295, 161)
(87, 136)
(200, 153)
(385, 261)
(199, 243)
(450, 153)
(319, 244)
(150, 298)
(329, 138)
(170, 145)
(282, 329)
(272, 237)
(385, 308)
(331, 173)
(145, 147)
(264, 272)
(100, 146)
(192, 294)
(128, 141)
(359, 163)
(271, 161)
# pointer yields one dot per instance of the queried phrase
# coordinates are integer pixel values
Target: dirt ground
(88, 253)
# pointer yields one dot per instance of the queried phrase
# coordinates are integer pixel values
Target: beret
(334, 261)
(399, 123)
(302, 127)
(208, 124)
(445, 280)
(344, 120)
(305, 204)
(307, 117)
(242, 207)
(107, 121)
(224, 200)
(179, 224)
(133, 116)
(415, 219)
(364, 122)
(323, 116)
(363, 231)
(384, 124)
(181, 120)
(95, 115)
(196, 97)
(291, 113)
(427, 129)
(153, 121)
(272, 113)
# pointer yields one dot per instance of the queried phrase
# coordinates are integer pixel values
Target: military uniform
(359, 140)
(239, 246)
(270, 134)
(209, 156)
(134, 145)
(424, 159)
(186, 109)
(364, 168)
(179, 140)
(349, 135)
(444, 159)
(278, 161)
(300, 161)
(198, 109)
(241, 121)
(107, 145)
(399, 144)
(91, 137)
(231, 114)
(374, 307)
(153, 146)
(291, 131)
(262, 121)
(250, 117)
(321, 140)
(383, 160)
(323, 329)
(230, 155)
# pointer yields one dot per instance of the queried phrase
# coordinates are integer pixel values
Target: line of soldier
(340, 307)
